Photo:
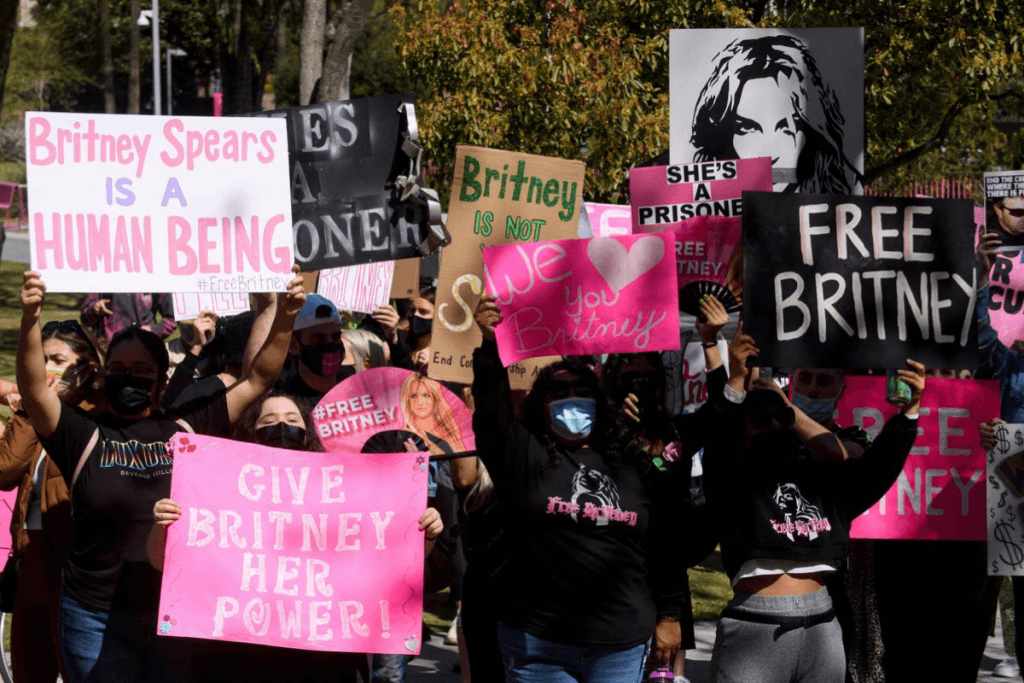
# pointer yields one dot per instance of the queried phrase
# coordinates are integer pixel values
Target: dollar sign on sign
(1014, 556)
(1002, 443)
(1002, 500)
(1018, 438)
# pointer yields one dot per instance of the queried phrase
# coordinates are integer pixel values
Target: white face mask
(573, 418)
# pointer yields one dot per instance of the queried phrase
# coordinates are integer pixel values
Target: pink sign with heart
(576, 297)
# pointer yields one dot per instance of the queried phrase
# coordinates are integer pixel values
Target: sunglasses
(561, 388)
(763, 418)
(64, 327)
(1016, 213)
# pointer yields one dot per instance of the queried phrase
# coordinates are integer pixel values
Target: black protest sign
(354, 178)
(859, 282)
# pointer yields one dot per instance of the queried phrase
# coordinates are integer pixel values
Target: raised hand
(715, 318)
(388, 318)
(166, 511)
(33, 293)
(740, 350)
(291, 303)
(487, 316)
(987, 246)
(915, 378)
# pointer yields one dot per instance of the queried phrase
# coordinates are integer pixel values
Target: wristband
(709, 345)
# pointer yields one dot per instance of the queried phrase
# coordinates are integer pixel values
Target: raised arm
(714, 319)
(267, 365)
(36, 397)
(261, 324)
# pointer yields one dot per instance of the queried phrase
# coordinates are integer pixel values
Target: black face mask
(324, 359)
(128, 395)
(420, 327)
(282, 435)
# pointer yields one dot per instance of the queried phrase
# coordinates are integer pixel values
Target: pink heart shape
(619, 266)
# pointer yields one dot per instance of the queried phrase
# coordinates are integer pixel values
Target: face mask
(128, 395)
(324, 359)
(420, 327)
(818, 409)
(64, 381)
(573, 418)
(282, 435)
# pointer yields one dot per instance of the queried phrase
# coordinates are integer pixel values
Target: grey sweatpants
(749, 652)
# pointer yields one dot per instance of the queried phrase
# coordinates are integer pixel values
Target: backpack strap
(85, 456)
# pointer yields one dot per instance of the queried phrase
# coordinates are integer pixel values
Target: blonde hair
(444, 416)
(367, 349)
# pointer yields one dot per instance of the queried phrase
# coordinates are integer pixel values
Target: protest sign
(609, 220)
(795, 95)
(1004, 208)
(859, 282)
(314, 551)
(497, 198)
(702, 204)
(362, 288)
(188, 305)
(1006, 502)
(939, 495)
(575, 297)
(406, 281)
(176, 204)
(374, 405)
(355, 182)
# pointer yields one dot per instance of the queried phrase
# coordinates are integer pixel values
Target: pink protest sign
(574, 297)
(375, 410)
(665, 196)
(314, 551)
(126, 203)
(940, 495)
(609, 220)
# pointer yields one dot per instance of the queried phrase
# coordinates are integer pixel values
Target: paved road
(16, 247)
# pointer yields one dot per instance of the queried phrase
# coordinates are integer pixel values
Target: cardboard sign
(497, 198)
(940, 493)
(314, 551)
(859, 282)
(188, 305)
(795, 95)
(406, 281)
(345, 161)
(382, 401)
(162, 204)
(609, 220)
(363, 288)
(574, 297)
(668, 196)
(1006, 502)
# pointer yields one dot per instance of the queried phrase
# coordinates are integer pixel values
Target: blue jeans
(80, 631)
(529, 659)
(389, 668)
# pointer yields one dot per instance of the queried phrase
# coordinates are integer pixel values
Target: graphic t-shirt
(127, 470)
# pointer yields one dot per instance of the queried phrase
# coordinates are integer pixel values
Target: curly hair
(245, 428)
(822, 167)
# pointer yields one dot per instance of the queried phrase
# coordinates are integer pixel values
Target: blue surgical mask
(573, 418)
(818, 409)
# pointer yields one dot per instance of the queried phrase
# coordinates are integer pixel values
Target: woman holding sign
(116, 466)
(584, 588)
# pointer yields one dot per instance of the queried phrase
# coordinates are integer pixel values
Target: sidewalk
(436, 661)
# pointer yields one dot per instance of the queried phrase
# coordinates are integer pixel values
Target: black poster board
(347, 163)
(859, 282)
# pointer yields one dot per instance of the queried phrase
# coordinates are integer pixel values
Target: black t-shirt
(126, 472)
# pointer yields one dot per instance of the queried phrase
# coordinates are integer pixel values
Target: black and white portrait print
(794, 95)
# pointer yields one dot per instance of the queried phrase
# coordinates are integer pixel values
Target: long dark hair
(608, 435)
(152, 343)
(245, 428)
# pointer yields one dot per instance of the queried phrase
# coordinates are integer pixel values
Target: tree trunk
(311, 47)
(108, 58)
(8, 24)
(244, 98)
(350, 21)
(134, 87)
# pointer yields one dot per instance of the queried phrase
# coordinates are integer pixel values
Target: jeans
(80, 632)
(389, 668)
(529, 659)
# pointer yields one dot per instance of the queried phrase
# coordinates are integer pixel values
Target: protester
(786, 520)
(116, 466)
(317, 353)
(585, 591)
(421, 323)
(108, 314)
(41, 524)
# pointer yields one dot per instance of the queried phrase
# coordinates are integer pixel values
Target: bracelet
(709, 345)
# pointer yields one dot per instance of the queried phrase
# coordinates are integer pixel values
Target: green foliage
(588, 79)
(39, 76)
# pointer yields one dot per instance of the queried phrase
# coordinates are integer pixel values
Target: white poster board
(158, 204)
(188, 305)
(1005, 465)
(795, 95)
(363, 288)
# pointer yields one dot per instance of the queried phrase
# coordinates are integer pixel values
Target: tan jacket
(19, 452)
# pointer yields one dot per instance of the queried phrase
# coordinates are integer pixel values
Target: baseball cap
(317, 310)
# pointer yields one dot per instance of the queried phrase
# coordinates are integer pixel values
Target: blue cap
(317, 310)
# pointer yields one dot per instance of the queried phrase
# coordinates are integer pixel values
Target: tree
(8, 24)
(588, 79)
